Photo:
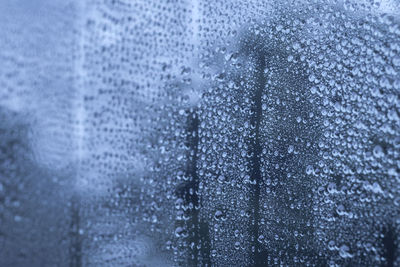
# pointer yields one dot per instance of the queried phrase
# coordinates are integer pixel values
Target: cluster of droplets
(249, 133)
(323, 147)
(240, 134)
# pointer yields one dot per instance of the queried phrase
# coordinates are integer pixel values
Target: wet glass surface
(199, 133)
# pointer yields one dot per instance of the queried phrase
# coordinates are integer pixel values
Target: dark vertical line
(188, 191)
(255, 153)
(389, 243)
(200, 228)
(200, 232)
(205, 240)
(192, 143)
(76, 242)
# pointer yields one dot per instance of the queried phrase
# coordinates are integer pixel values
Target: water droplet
(378, 151)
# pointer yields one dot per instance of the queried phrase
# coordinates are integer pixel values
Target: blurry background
(199, 133)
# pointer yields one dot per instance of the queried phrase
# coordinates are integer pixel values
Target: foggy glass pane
(199, 133)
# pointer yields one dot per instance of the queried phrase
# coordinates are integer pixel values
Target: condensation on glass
(199, 133)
